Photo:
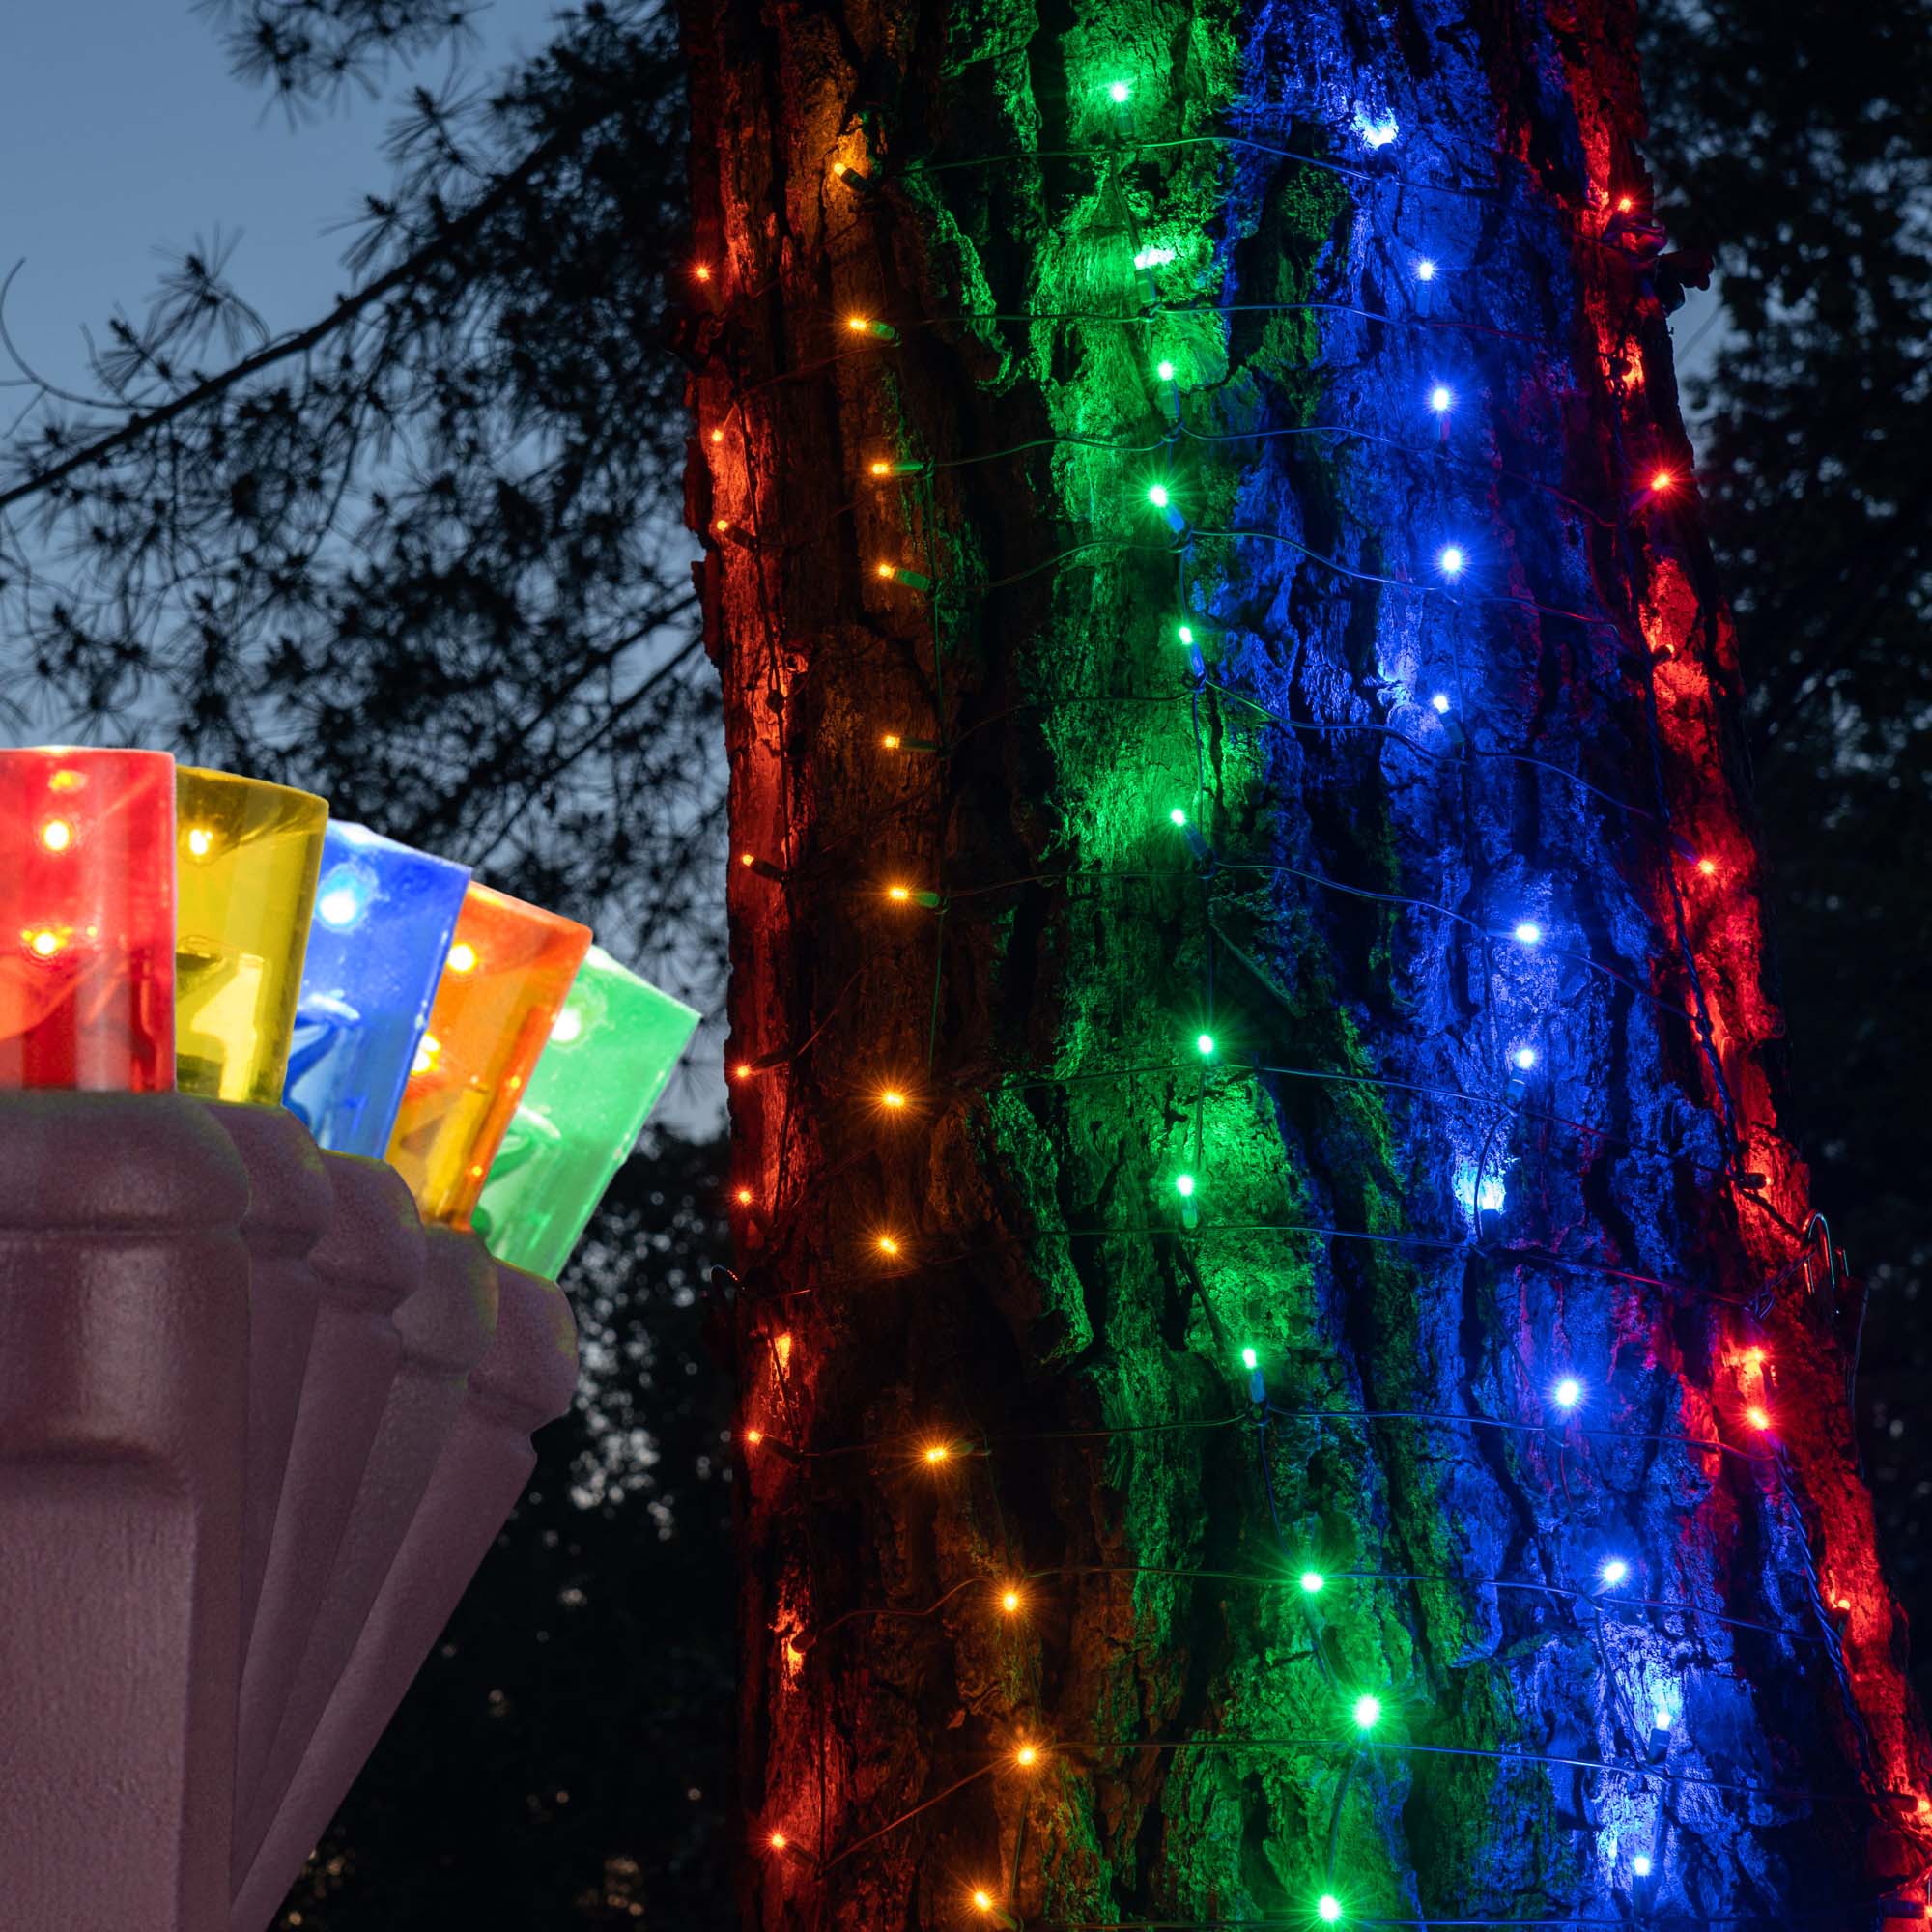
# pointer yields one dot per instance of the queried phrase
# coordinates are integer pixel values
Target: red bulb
(87, 919)
(1662, 481)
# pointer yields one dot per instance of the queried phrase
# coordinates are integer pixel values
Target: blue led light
(378, 939)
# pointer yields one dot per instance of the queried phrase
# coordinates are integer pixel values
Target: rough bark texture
(1388, 1210)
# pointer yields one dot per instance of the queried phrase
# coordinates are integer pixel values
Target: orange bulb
(887, 1245)
(717, 436)
(983, 1900)
(742, 1071)
(884, 569)
(743, 1197)
(1010, 1600)
(753, 1436)
(892, 1098)
(745, 859)
(1661, 482)
(891, 741)
(1757, 1418)
(701, 270)
(1026, 1757)
(937, 1452)
(777, 1841)
(837, 168)
(882, 469)
(897, 894)
(856, 324)
(1625, 204)
(722, 525)
(463, 957)
(1708, 867)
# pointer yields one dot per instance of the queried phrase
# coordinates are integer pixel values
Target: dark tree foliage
(424, 554)
(1793, 140)
(560, 1760)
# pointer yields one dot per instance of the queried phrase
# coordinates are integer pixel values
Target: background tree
(1464, 861)
(1795, 148)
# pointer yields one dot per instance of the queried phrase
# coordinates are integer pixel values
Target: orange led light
(742, 1071)
(745, 859)
(937, 1452)
(983, 1900)
(722, 525)
(1625, 204)
(701, 270)
(891, 1097)
(1026, 1757)
(891, 741)
(743, 1197)
(857, 323)
(887, 1245)
(753, 1436)
(717, 436)
(898, 894)
(1010, 1600)
(461, 957)
(777, 1841)
(1757, 1418)
(44, 943)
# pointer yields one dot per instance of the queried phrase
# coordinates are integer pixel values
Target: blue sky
(121, 129)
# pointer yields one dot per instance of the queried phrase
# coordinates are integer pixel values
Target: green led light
(1183, 1186)
(1118, 93)
(1249, 1360)
(1204, 1045)
(1187, 633)
(1328, 1908)
(1165, 371)
(1312, 1581)
(1158, 496)
(1368, 1713)
(1178, 817)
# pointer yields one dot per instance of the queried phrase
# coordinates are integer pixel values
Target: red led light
(87, 919)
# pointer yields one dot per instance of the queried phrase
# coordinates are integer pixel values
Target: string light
(1662, 481)
(1177, 816)
(887, 1245)
(717, 436)
(1528, 933)
(1451, 560)
(743, 1197)
(777, 1841)
(1165, 371)
(1640, 1865)
(1568, 1392)
(1757, 1417)
(1250, 1360)
(1525, 1058)
(865, 325)
(1328, 1908)
(1367, 1713)
(1440, 704)
(701, 271)
(1439, 400)
(1118, 93)
(1183, 1186)
(1204, 1045)
(1708, 867)
(897, 573)
(1425, 270)
(892, 1098)
(1313, 1582)
(1158, 496)
(937, 1452)
(1010, 1600)
(57, 834)
(1027, 1756)
(1615, 1571)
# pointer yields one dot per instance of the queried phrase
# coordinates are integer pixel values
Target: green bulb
(1177, 816)
(1368, 1713)
(1118, 93)
(1328, 1908)
(1312, 1581)
(1158, 496)
(1249, 1360)
(1165, 371)
(1183, 1186)
(1187, 633)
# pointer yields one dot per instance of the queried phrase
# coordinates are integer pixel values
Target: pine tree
(1288, 1375)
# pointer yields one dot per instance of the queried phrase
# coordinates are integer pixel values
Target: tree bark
(1484, 1156)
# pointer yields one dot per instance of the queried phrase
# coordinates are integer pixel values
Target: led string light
(1528, 934)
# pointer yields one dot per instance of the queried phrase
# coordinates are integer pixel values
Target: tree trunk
(1445, 993)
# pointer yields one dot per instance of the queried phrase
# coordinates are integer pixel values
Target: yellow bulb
(837, 168)
(717, 436)
(884, 569)
(856, 324)
(778, 1841)
(887, 1245)
(937, 1452)
(200, 842)
(742, 1071)
(754, 1436)
(1010, 1600)
(463, 957)
(1026, 1757)
(57, 834)
(891, 1097)
(743, 1197)
(898, 894)
(66, 779)
(1757, 1418)
(44, 943)
(891, 741)
(983, 1900)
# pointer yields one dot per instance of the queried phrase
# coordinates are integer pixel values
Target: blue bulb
(377, 942)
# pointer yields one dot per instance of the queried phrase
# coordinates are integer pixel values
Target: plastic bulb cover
(607, 1062)
(506, 980)
(87, 919)
(246, 858)
(384, 916)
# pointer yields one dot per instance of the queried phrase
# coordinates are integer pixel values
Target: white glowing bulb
(1440, 704)
(339, 906)
(1529, 933)
(1525, 1058)
(1640, 1865)
(1660, 1719)
(569, 1024)
(1451, 560)
(1440, 399)
(1568, 1392)
(1614, 1572)
(1425, 270)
